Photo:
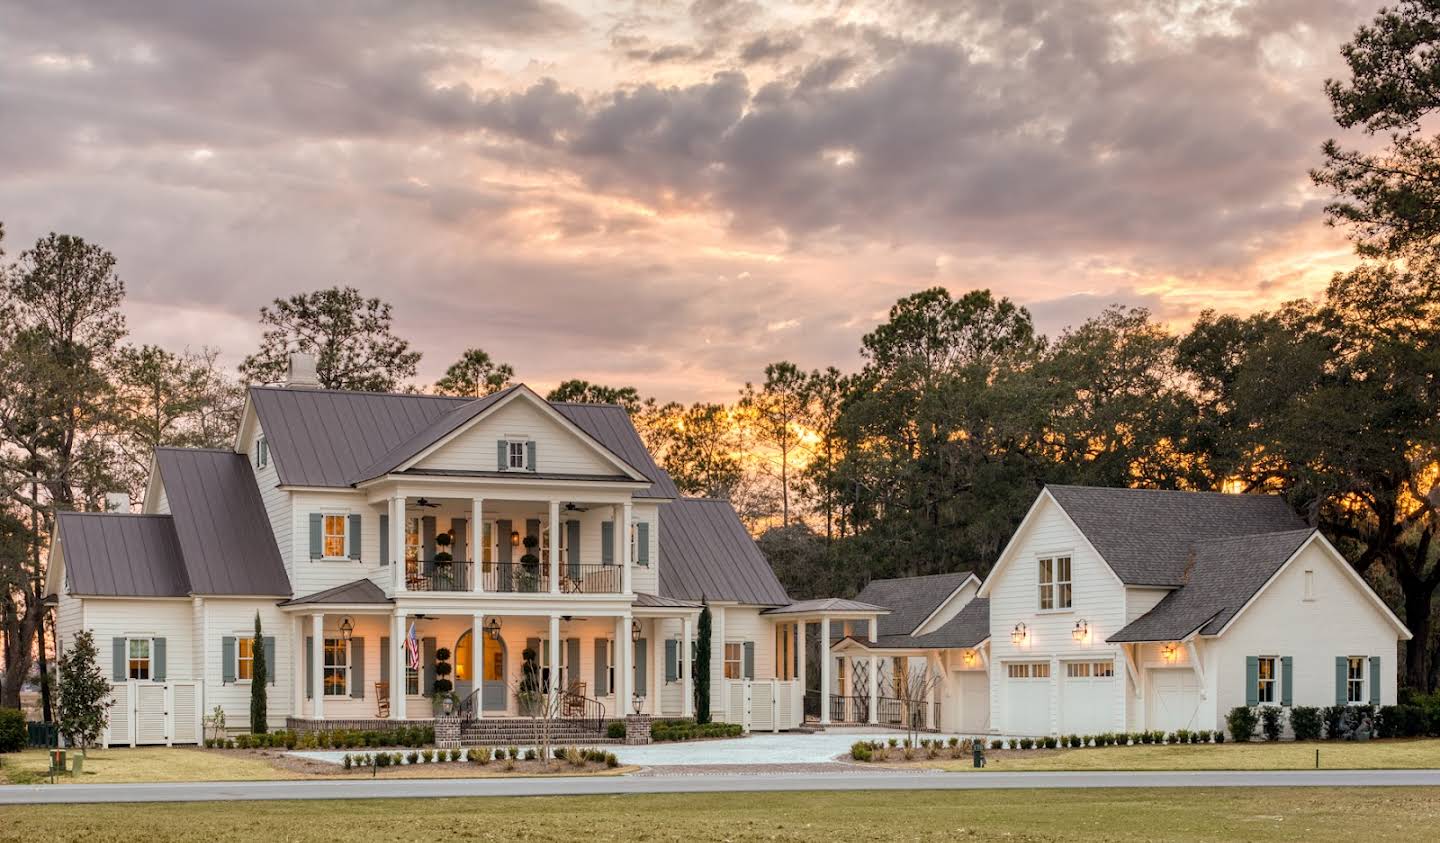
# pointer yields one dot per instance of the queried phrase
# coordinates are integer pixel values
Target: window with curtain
(244, 657)
(1355, 679)
(139, 652)
(336, 676)
(335, 536)
(734, 653)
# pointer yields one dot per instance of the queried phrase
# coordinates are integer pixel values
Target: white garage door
(1174, 699)
(1087, 698)
(974, 701)
(1027, 698)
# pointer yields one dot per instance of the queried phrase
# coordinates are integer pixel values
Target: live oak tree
(349, 334)
(84, 707)
(259, 678)
(474, 375)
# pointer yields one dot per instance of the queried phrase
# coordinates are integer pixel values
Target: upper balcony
(511, 577)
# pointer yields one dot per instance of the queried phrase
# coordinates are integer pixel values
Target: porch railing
(519, 578)
(431, 575)
(585, 712)
(889, 711)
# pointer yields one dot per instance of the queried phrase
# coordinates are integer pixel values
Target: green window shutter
(672, 659)
(427, 537)
(227, 659)
(317, 535)
(357, 668)
(427, 668)
(264, 451)
(270, 669)
(354, 535)
(607, 542)
(530, 463)
(384, 540)
(572, 553)
(119, 661)
(461, 528)
(532, 528)
(1374, 680)
(572, 662)
(501, 461)
(309, 667)
(1252, 680)
(642, 543)
(748, 665)
(641, 663)
(1341, 663)
(503, 529)
(602, 672)
(384, 658)
(1287, 671)
(157, 660)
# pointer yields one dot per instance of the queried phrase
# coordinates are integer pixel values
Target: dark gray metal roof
(705, 554)
(969, 627)
(351, 593)
(910, 599)
(1148, 535)
(827, 604)
(336, 438)
(121, 555)
(1223, 576)
(226, 540)
(652, 601)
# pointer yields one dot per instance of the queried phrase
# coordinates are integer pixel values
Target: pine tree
(702, 667)
(84, 693)
(259, 676)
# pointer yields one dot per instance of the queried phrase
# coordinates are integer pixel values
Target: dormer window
(262, 452)
(516, 455)
(1055, 591)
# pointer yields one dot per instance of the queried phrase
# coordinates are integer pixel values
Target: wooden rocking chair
(574, 703)
(382, 699)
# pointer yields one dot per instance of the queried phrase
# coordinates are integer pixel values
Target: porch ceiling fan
(426, 502)
(574, 507)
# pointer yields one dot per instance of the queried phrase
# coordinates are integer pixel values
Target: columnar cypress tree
(702, 668)
(259, 676)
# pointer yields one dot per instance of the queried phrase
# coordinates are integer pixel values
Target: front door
(493, 685)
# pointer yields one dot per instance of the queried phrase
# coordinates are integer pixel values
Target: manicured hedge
(689, 730)
(413, 736)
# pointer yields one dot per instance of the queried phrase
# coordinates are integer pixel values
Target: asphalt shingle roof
(1222, 578)
(121, 555)
(910, 599)
(706, 554)
(1148, 536)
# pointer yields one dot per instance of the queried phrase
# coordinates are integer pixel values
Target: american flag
(412, 646)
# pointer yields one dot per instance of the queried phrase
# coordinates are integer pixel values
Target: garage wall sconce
(969, 658)
(1169, 652)
(1081, 630)
(1019, 634)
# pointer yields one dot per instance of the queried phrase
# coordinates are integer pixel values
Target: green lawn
(1302, 814)
(1415, 754)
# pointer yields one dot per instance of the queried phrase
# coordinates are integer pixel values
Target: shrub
(575, 757)
(1241, 721)
(612, 760)
(616, 730)
(382, 759)
(1051, 743)
(996, 743)
(1219, 736)
(1270, 722)
(429, 756)
(1334, 717)
(531, 754)
(512, 752)
(1305, 722)
(860, 751)
(953, 742)
(412, 757)
(1026, 743)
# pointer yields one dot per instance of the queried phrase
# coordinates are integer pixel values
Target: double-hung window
(515, 455)
(244, 658)
(335, 538)
(337, 667)
(1265, 679)
(139, 658)
(412, 680)
(1355, 679)
(262, 452)
(734, 652)
(610, 665)
(1054, 578)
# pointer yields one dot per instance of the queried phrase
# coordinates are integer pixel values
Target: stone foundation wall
(447, 733)
(637, 729)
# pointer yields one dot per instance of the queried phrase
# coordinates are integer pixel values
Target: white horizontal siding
(138, 617)
(307, 575)
(224, 617)
(558, 449)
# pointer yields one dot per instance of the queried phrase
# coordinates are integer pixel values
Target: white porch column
(477, 553)
(624, 658)
(397, 666)
(657, 665)
(687, 682)
(554, 647)
(317, 665)
(397, 542)
(623, 536)
(824, 670)
(874, 674)
(477, 658)
(554, 556)
(800, 662)
(297, 665)
(717, 668)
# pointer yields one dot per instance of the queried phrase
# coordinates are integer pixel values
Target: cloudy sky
(671, 193)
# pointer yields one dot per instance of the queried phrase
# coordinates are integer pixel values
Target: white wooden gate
(763, 705)
(150, 713)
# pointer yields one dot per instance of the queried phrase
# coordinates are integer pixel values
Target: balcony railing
(520, 578)
(429, 575)
(511, 577)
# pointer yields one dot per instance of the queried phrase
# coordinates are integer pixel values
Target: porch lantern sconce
(969, 658)
(1169, 651)
(514, 538)
(635, 634)
(1081, 630)
(1019, 634)
(347, 628)
(493, 629)
(637, 702)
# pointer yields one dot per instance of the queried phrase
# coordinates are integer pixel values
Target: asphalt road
(722, 783)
